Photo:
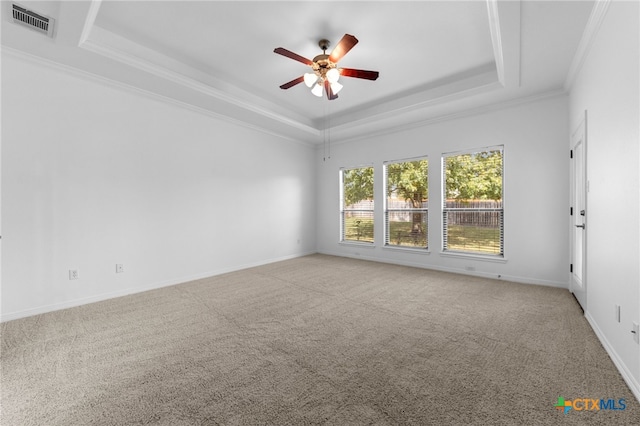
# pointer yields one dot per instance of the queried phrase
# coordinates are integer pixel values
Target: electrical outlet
(119, 268)
(74, 274)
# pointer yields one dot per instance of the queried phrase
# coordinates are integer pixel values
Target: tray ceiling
(435, 58)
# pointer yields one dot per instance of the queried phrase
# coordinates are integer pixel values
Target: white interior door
(578, 284)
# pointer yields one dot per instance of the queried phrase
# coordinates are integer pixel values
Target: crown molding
(470, 112)
(596, 18)
(481, 82)
(105, 81)
(109, 45)
(496, 38)
(89, 21)
(205, 93)
(504, 25)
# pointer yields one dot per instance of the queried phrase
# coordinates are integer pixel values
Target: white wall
(607, 86)
(94, 175)
(536, 189)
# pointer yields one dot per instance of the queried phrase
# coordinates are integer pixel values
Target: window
(356, 206)
(406, 205)
(472, 210)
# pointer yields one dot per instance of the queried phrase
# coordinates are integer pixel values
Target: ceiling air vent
(35, 21)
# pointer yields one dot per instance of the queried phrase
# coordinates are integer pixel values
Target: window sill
(365, 244)
(407, 249)
(482, 257)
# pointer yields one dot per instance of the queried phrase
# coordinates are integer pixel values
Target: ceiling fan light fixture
(333, 75)
(317, 90)
(325, 75)
(310, 79)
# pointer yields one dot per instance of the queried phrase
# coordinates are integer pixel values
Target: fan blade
(327, 88)
(367, 75)
(289, 54)
(344, 45)
(293, 82)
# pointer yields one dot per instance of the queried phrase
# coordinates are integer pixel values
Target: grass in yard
(357, 229)
(477, 239)
(400, 235)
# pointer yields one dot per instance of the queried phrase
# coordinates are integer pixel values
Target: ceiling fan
(325, 72)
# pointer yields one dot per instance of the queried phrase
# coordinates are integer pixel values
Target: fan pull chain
(329, 139)
(326, 133)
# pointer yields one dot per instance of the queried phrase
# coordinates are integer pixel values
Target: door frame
(579, 289)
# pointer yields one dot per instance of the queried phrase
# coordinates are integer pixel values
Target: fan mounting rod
(322, 63)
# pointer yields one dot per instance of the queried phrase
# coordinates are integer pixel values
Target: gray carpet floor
(313, 340)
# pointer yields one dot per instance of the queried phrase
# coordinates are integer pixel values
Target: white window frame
(446, 210)
(344, 210)
(388, 239)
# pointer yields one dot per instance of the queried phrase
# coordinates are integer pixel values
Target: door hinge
(571, 267)
(570, 153)
(571, 211)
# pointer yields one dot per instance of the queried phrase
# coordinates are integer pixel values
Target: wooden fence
(483, 213)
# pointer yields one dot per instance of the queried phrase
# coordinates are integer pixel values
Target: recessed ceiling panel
(411, 44)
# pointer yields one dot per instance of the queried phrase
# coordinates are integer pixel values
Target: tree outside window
(407, 203)
(356, 209)
(473, 214)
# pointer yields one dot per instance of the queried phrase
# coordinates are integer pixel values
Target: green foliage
(475, 176)
(409, 180)
(401, 234)
(478, 239)
(358, 229)
(358, 185)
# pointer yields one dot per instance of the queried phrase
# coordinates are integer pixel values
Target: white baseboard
(132, 290)
(501, 277)
(633, 384)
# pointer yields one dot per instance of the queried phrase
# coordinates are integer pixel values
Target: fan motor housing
(322, 64)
